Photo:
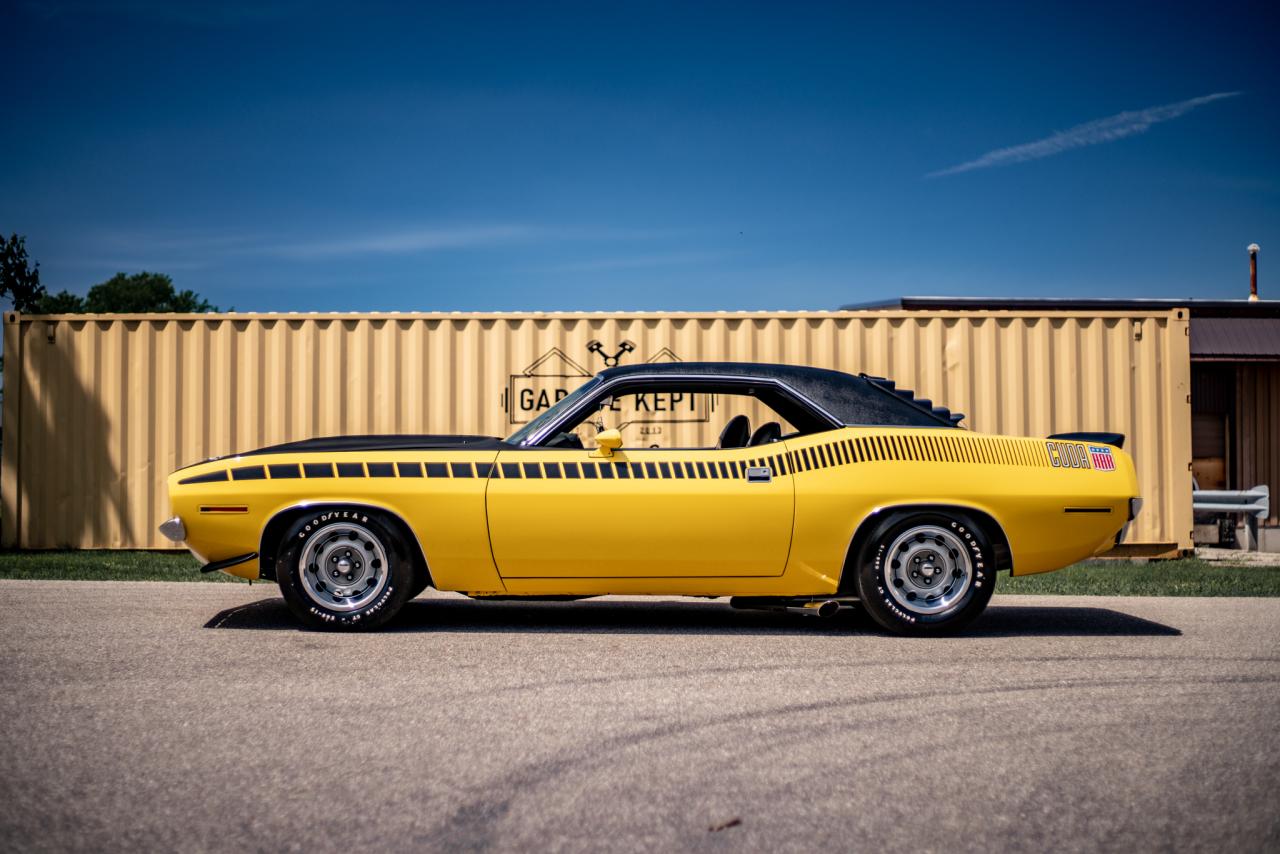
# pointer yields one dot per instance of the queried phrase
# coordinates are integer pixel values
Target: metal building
(98, 409)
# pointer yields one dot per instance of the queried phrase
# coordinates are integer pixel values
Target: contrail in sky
(1090, 133)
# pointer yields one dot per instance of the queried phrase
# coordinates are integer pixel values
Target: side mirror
(607, 441)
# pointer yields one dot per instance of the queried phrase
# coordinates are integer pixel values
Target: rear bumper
(1135, 507)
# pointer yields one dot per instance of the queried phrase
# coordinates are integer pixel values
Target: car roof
(853, 399)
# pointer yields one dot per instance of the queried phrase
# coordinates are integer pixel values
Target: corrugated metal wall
(1257, 429)
(98, 410)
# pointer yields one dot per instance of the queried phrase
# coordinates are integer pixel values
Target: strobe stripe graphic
(1101, 458)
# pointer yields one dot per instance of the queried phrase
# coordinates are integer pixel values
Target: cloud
(401, 242)
(193, 248)
(1095, 132)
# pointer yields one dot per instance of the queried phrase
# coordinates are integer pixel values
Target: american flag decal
(1101, 458)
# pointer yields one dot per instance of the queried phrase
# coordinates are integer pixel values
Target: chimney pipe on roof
(1253, 272)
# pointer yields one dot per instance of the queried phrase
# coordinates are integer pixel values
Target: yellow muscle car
(847, 490)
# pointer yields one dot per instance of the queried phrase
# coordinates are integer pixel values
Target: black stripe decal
(319, 469)
(382, 470)
(462, 469)
(350, 469)
(280, 471)
(437, 470)
(249, 473)
(207, 477)
(533, 471)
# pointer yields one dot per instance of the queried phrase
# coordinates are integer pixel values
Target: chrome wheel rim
(343, 567)
(928, 569)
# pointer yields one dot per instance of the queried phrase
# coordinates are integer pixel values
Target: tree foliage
(121, 294)
(127, 294)
(142, 292)
(63, 302)
(19, 281)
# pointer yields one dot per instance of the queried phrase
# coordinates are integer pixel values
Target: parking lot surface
(198, 717)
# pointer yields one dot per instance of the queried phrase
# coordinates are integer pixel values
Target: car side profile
(820, 488)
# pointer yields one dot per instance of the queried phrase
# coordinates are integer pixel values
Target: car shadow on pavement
(671, 617)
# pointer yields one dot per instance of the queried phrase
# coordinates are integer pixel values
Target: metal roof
(1242, 339)
(1199, 308)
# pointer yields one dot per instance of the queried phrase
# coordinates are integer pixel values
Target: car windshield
(563, 405)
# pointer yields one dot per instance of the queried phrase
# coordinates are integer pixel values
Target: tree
(142, 292)
(63, 302)
(18, 281)
(125, 294)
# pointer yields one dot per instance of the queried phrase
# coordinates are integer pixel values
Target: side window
(653, 418)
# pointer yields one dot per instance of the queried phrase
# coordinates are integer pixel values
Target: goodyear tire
(926, 573)
(344, 569)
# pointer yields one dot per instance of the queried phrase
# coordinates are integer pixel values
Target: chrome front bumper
(173, 529)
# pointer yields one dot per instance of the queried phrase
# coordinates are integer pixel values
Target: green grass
(106, 566)
(1188, 577)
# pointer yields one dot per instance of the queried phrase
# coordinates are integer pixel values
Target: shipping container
(98, 409)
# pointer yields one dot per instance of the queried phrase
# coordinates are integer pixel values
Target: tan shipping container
(99, 409)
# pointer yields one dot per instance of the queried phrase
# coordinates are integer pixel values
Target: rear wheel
(926, 573)
(344, 569)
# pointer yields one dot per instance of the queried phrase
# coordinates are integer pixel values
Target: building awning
(1235, 339)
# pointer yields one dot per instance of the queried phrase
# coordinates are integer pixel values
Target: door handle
(759, 474)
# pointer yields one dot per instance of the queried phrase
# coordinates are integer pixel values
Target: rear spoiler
(1116, 439)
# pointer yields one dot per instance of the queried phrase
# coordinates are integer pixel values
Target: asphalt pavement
(199, 717)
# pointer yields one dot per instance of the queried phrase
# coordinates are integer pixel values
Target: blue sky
(612, 156)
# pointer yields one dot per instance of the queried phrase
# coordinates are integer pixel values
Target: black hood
(393, 442)
(384, 442)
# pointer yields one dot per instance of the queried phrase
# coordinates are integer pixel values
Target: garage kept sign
(554, 374)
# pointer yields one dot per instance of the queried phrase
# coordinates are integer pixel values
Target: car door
(640, 513)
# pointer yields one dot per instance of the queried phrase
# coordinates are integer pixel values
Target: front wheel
(344, 568)
(926, 573)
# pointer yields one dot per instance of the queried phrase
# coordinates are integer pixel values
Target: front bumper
(174, 529)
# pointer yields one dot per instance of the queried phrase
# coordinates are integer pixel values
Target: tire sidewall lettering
(388, 601)
(874, 569)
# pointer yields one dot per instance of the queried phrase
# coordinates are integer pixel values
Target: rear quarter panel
(845, 476)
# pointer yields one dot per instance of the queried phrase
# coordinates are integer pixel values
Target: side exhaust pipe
(816, 609)
(811, 607)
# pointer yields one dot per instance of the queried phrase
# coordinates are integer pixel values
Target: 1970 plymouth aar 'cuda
(847, 489)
